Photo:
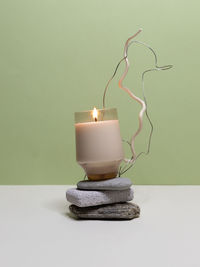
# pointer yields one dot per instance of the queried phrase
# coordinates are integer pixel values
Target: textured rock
(84, 198)
(123, 211)
(118, 183)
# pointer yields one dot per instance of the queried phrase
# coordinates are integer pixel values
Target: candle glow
(95, 114)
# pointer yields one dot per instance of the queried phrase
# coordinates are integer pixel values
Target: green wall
(55, 59)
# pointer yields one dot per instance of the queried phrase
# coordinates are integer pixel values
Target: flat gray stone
(118, 183)
(119, 211)
(84, 198)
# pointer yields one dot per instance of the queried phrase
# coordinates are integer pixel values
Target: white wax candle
(99, 146)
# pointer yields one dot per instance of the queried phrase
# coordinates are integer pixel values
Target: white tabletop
(36, 230)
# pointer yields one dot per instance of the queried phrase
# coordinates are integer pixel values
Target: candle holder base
(105, 176)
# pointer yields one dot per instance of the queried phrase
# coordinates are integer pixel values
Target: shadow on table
(61, 207)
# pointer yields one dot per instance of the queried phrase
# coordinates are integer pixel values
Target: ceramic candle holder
(99, 148)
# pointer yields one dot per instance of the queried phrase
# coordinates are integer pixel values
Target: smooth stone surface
(119, 211)
(118, 183)
(83, 198)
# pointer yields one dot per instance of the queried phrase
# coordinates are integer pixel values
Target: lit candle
(98, 143)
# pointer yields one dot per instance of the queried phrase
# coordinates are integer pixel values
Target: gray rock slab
(85, 198)
(118, 183)
(119, 211)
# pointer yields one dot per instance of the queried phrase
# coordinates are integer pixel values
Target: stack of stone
(105, 199)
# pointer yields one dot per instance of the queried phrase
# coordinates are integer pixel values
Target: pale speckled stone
(118, 183)
(84, 198)
(119, 211)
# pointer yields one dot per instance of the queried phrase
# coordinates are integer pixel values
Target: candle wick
(95, 119)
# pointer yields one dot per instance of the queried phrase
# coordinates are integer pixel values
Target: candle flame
(95, 114)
